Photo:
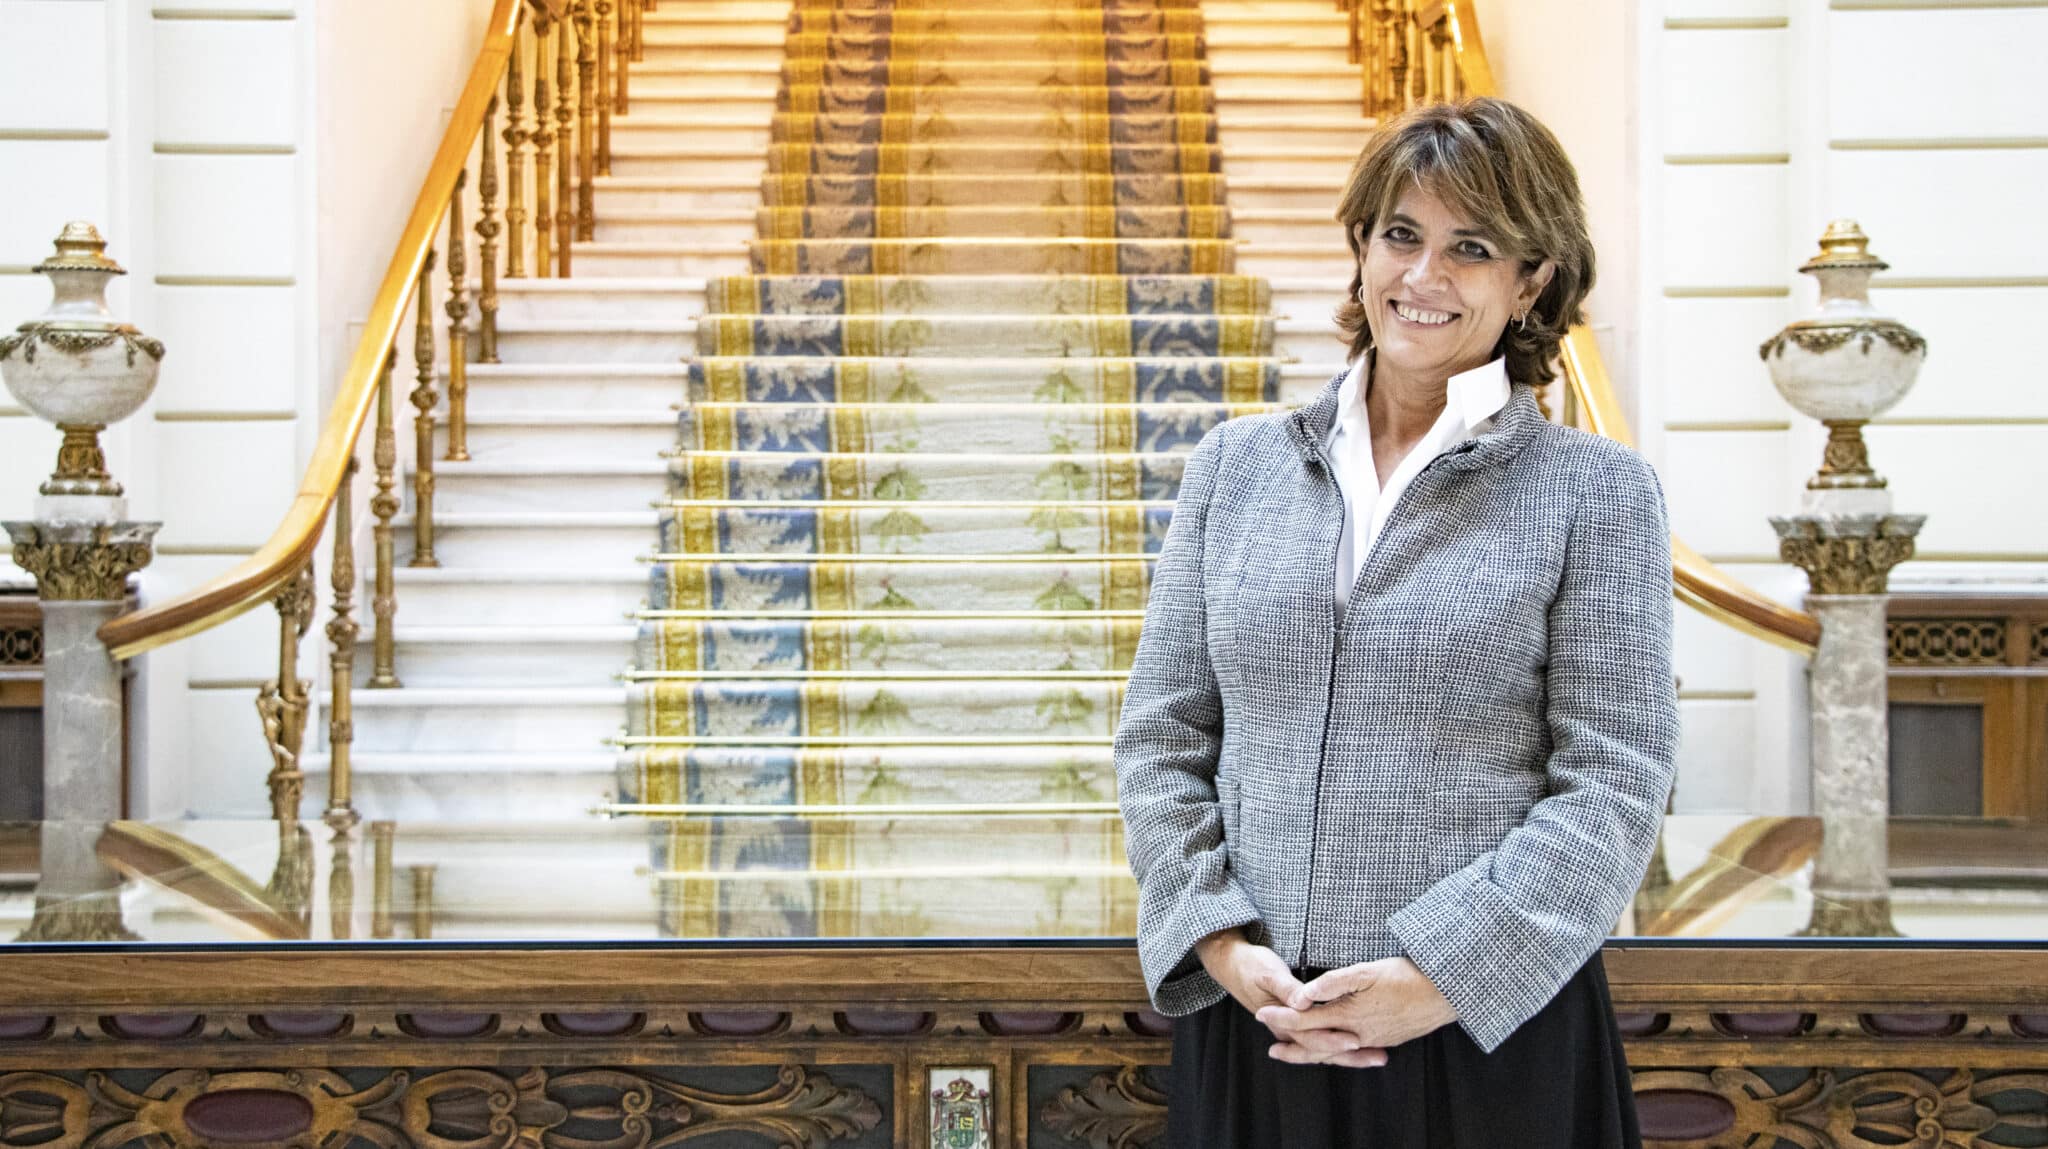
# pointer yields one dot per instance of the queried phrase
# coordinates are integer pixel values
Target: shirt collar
(1476, 395)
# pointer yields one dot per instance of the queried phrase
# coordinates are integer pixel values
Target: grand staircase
(971, 281)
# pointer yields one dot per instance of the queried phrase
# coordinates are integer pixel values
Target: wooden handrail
(258, 578)
(1699, 583)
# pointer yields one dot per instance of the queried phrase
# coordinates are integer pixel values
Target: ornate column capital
(82, 561)
(1847, 554)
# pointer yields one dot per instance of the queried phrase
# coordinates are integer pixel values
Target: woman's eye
(1475, 251)
(1397, 234)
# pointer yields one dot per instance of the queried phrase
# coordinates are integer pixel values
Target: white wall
(1759, 121)
(250, 162)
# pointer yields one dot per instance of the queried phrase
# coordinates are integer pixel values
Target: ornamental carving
(1821, 338)
(1119, 1110)
(453, 1109)
(1731, 1106)
(83, 563)
(1853, 555)
(76, 341)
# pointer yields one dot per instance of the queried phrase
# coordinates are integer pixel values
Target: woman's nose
(1425, 271)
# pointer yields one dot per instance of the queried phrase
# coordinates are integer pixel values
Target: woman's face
(1438, 292)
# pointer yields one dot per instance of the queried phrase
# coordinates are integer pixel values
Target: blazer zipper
(1315, 818)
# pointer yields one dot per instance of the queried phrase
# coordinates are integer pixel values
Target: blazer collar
(1516, 424)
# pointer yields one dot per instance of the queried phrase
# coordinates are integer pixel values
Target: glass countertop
(1039, 878)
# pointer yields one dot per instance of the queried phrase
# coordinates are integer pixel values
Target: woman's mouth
(1421, 316)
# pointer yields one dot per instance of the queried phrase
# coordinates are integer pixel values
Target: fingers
(1276, 980)
(1332, 985)
(1296, 1054)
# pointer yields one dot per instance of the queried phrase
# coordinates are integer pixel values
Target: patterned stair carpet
(929, 450)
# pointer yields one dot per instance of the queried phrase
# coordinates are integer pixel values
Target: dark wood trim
(996, 978)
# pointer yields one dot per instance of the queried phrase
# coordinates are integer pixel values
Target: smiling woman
(1401, 723)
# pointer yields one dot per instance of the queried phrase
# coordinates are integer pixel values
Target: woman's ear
(1533, 283)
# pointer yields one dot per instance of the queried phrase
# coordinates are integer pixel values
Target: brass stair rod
(384, 506)
(515, 165)
(458, 328)
(587, 98)
(565, 136)
(341, 657)
(424, 398)
(543, 141)
(487, 228)
(607, 44)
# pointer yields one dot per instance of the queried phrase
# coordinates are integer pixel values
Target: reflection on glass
(993, 877)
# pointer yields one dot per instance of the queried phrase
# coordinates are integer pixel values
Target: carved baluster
(640, 11)
(384, 505)
(341, 883)
(381, 835)
(487, 236)
(281, 703)
(515, 168)
(543, 136)
(587, 98)
(629, 50)
(341, 657)
(605, 47)
(565, 133)
(458, 328)
(422, 901)
(423, 400)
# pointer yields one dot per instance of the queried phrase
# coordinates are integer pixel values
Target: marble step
(413, 788)
(809, 378)
(512, 654)
(478, 719)
(526, 387)
(575, 485)
(744, 584)
(570, 593)
(862, 710)
(908, 478)
(711, 527)
(530, 302)
(693, 226)
(526, 540)
(542, 436)
(617, 193)
(547, 339)
(640, 260)
(980, 649)
(916, 428)
(1078, 771)
(752, 79)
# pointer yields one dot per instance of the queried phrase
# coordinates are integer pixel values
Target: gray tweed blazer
(1471, 770)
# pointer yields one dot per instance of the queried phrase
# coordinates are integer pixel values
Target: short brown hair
(1499, 165)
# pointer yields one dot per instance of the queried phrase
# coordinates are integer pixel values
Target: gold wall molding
(1909, 282)
(1725, 23)
(1941, 143)
(226, 281)
(1728, 159)
(1731, 292)
(1730, 425)
(204, 549)
(1929, 5)
(226, 416)
(225, 684)
(48, 134)
(223, 14)
(1960, 421)
(206, 149)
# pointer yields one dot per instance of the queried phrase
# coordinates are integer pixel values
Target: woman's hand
(1260, 981)
(1366, 1008)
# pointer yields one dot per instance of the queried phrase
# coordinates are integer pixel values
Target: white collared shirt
(1471, 400)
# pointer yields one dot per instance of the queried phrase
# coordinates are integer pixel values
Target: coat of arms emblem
(960, 1116)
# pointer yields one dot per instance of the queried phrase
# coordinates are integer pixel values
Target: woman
(1401, 721)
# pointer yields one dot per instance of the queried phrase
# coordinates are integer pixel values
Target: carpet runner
(929, 449)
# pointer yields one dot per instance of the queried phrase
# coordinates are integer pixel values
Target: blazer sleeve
(1168, 737)
(1501, 936)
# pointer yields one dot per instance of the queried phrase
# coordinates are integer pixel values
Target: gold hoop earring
(1361, 296)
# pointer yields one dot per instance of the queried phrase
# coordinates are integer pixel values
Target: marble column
(1847, 559)
(81, 569)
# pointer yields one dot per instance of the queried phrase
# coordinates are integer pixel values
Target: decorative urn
(1847, 364)
(77, 366)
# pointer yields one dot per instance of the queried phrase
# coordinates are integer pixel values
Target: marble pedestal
(1848, 558)
(81, 568)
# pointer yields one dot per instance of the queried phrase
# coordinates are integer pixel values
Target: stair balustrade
(591, 44)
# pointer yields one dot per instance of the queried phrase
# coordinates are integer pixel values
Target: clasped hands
(1347, 1017)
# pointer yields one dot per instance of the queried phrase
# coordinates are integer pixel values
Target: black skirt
(1559, 1081)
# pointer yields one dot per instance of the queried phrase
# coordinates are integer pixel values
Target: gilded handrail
(1700, 584)
(290, 548)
